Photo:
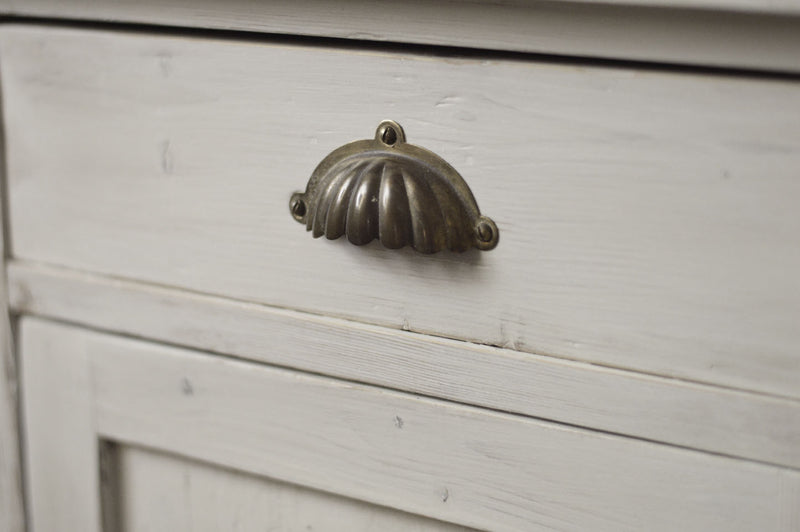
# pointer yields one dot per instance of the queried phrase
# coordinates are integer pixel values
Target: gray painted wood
(667, 410)
(648, 220)
(61, 452)
(12, 514)
(11, 509)
(450, 462)
(758, 34)
(167, 493)
(169, 7)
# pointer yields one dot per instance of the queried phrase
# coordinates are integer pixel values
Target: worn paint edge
(759, 39)
(465, 373)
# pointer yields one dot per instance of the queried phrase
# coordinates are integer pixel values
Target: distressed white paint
(165, 493)
(11, 510)
(12, 515)
(205, 9)
(61, 453)
(718, 420)
(451, 462)
(758, 34)
(648, 220)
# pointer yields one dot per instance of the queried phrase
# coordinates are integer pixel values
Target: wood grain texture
(165, 493)
(206, 9)
(61, 453)
(12, 513)
(450, 462)
(648, 220)
(757, 34)
(12, 516)
(702, 417)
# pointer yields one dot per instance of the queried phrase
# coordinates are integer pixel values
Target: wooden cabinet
(166, 493)
(192, 359)
(419, 455)
(647, 218)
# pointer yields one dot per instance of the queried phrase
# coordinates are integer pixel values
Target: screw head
(389, 136)
(486, 233)
(298, 208)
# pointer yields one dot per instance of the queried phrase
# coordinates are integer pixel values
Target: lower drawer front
(648, 220)
(450, 462)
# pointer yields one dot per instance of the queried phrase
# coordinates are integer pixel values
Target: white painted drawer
(755, 34)
(442, 460)
(648, 220)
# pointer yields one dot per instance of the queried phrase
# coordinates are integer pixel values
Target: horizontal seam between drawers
(552, 409)
(31, 264)
(397, 47)
(243, 360)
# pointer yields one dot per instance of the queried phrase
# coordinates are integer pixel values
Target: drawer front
(648, 219)
(756, 34)
(442, 460)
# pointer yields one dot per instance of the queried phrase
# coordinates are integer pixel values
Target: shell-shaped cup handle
(397, 192)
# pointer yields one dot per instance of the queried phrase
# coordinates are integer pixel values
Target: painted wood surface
(61, 452)
(11, 510)
(12, 514)
(667, 410)
(447, 461)
(648, 220)
(166, 493)
(756, 34)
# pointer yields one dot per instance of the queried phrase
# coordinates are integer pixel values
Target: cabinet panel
(62, 470)
(12, 515)
(451, 462)
(165, 493)
(743, 424)
(648, 220)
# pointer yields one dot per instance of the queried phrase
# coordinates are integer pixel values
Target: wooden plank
(757, 34)
(455, 463)
(61, 453)
(667, 410)
(166, 493)
(648, 220)
(12, 516)
(204, 10)
(12, 513)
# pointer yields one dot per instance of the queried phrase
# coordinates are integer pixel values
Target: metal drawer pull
(400, 193)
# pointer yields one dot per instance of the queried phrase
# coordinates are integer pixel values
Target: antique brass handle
(400, 193)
